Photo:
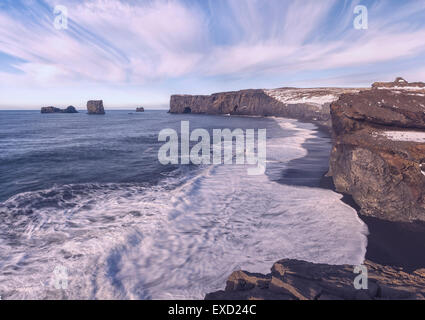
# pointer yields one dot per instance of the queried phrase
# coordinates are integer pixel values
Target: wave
(178, 239)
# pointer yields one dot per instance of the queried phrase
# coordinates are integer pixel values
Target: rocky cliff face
(303, 104)
(378, 154)
(298, 280)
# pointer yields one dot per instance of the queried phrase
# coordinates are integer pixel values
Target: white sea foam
(178, 240)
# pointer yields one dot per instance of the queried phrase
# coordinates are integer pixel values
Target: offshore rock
(69, 109)
(95, 107)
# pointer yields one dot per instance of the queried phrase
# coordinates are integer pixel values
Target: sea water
(87, 194)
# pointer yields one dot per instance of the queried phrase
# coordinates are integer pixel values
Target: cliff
(378, 153)
(378, 157)
(303, 104)
(298, 280)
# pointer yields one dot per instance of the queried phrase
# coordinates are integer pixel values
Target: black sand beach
(397, 244)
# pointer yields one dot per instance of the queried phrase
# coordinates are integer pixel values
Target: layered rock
(299, 280)
(95, 107)
(378, 154)
(303, 104)
(69, 109)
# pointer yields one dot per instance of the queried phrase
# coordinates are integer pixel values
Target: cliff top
(318, 90)
(392, 108)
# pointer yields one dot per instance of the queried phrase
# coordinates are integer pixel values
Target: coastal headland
(377, 161)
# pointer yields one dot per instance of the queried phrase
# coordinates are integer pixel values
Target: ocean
(87, 194)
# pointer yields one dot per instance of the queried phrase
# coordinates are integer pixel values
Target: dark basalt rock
(50, 110)
(299, 280)
(95, 107)
(245, 102)
(69, 109)
(382, 174)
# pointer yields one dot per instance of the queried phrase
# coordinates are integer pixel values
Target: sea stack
(95, 107)
(140, 109)
(69, 109)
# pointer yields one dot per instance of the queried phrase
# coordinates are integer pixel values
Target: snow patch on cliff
(407, 136)
(407, 88)
(301, 96)
(422, 166)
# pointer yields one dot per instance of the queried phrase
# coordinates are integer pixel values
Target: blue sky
(132, 53)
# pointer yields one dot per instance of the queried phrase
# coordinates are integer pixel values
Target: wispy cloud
(107, 41)
(161, 45)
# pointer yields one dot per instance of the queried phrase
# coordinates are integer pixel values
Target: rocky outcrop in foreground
(378, 154)
(303, 104)
(69, 109)
(299, 280)
(95, 107)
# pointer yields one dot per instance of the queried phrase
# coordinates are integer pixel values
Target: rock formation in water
(69, 109)
(298, 280)
(378, 153)
(303, 104)
(95, 107)
(140, 109)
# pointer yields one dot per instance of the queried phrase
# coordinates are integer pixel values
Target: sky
(138, 53)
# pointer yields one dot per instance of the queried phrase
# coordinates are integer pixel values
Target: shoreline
(395, 270)
(397, 244)
(389, 243)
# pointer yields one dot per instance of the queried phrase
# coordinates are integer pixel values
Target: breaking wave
(176, 240)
